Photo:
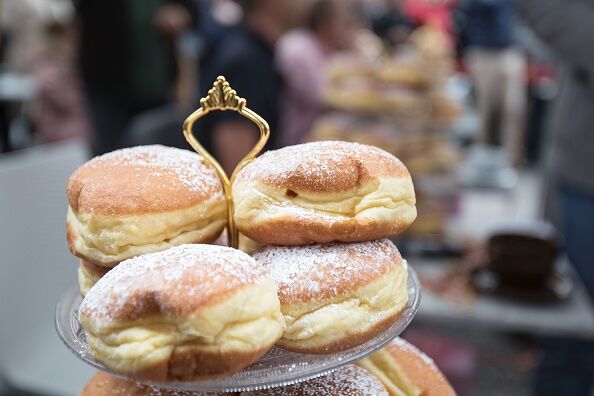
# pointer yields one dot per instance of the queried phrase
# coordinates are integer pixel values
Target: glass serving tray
(276, 368)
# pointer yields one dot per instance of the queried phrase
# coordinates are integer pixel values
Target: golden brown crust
(420, 369)
(103, 384)
(322, 167)
(141, 180)
(281, 231)
(94, 270)
(318, 272)
(177, 281)
(193, 365)
(345, 343)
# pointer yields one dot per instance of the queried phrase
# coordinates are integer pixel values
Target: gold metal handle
(222, 97)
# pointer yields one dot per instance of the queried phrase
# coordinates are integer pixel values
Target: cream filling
(112, 239)
(328, 321)
(245, 322)
(382, 365)
(85, 280)
(383, 199)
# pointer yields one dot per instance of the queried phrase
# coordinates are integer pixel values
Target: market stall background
(404, 85)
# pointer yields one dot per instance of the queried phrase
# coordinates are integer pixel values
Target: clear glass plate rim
(70, 296)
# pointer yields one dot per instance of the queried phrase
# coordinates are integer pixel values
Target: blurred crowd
(118, 73)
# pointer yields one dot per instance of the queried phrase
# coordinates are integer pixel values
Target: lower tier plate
(276, 368)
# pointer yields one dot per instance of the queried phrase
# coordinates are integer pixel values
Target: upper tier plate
(275, 368)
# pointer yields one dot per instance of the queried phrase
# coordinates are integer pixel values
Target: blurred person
(567, 365)
(60, 112)
(246, 57)
(302, 55)
(22, 21)
(391, 23)
(127, 60)
(216, 20)
(497, 68)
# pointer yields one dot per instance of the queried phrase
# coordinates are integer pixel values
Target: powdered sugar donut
(405, 370)
(336, 296)
(187, 313)
(323, 192)
(142, 200)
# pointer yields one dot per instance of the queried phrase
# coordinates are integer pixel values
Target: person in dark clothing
(126, 59)
(488, 23)
(246, 59)
(497, 68)
(392, 24)
(567, 365)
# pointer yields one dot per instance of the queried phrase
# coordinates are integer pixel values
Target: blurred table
(482, 211)
(571, 317)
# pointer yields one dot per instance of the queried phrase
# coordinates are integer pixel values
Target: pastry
(142, 200)
(406, 371)
(347, 381)
(336, 296)
(190, 312)
(322, 192)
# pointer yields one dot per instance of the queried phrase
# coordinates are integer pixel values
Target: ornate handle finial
(222, 97)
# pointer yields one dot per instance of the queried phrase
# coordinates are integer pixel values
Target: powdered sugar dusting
(186, 166)
(177, 280)
(400, 343)
(318, 164)
(323, 271)
(348, 381)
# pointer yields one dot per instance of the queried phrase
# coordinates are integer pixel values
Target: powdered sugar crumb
(183, 165)
(320, 270)
(403, 344)
(177, 279)
(317, 163)
(348, 381)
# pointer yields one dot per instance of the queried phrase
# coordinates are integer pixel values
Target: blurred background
(490, 104)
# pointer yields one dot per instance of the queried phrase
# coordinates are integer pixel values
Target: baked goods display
(347, 381)
(407, 371)
(404, 104)
(409, 84)
(103, 384)
(171, 315)
(187, 313)
(336, 296)
(329, 191)
(140, 200)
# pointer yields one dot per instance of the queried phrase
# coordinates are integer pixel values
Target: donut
(336, 296)
(323, 192)
(190, 312)
(346, 381)
(142, 200)
(88, 275)
(405, 370)
(103, 384)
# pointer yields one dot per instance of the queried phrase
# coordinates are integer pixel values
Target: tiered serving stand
(277, 367)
